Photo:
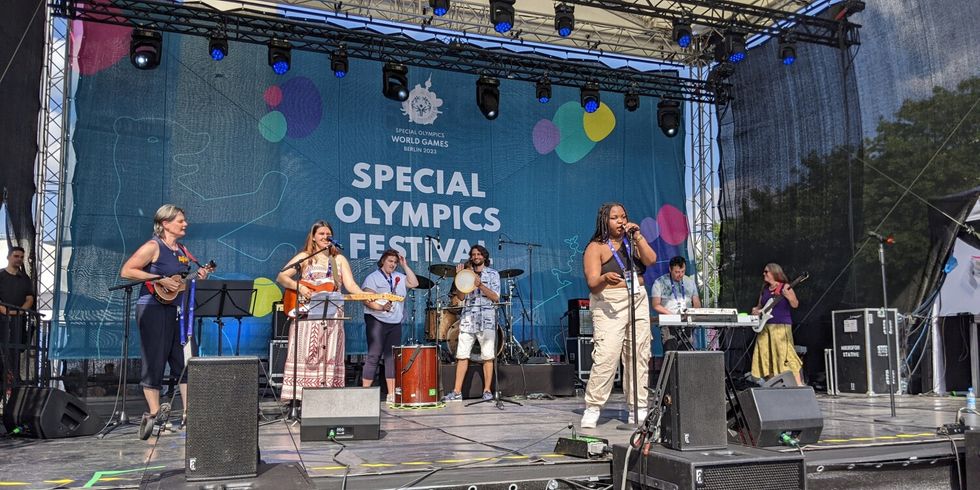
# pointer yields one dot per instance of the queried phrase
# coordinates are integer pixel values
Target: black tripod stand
(498, 401)
(120, 417)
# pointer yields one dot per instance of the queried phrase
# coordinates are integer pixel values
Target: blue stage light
(439, 7)
(683, 34)
(502, 15)
(280, 67)
(542, 90)
(502, 27)
(218, 45)
(279, 55)
(591, 106)
(589, 97)
(564, 19)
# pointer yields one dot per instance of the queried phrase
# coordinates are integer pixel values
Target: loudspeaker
(222, 421)
(694, 416)
(579, 354)
(277, 361)
(47, 413)
(280, 322)
(972, 457)
(579, 318)
(727, 468)
(784, 379)
(341, 413)
(770, 412)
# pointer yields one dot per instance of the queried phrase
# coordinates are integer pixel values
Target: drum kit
(417, 366)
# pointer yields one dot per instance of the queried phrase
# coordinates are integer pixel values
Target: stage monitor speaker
(771, 412)
(579, 318)
(344, 413)
(972, 457)
(732, 467)
(222, 425)
(47, 413)
(694, 416)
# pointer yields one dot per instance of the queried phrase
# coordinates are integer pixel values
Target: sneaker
(487, 395)
(453, 396)
(643, 416)
(390, 399)
(590, 417)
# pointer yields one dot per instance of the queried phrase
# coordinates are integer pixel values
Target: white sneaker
(590, 417)
(643, 416)
(390, 399)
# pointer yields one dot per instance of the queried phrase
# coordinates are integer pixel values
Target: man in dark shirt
(16, 289)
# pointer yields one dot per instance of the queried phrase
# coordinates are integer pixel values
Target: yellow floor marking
(64, 481)
(377, 465)
(416, 462)
(328, 467)
(13, 483)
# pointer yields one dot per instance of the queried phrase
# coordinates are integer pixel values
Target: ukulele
(167, 296)
(766, 313)
(289, 297)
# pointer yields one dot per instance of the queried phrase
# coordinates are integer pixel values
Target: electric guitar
(167, 296)
(289, 297)
(765, 314)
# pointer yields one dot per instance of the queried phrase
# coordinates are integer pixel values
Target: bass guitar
(765, 314)
(289, 297)
(167, 296)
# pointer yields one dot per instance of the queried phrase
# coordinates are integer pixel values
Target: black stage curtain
(790, 186)
(22, 49)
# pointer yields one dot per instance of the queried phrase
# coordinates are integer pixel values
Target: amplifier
(579, 352)
(861, 347)
(720, 469)
(277, 361)
(579, 318)
(280, 322)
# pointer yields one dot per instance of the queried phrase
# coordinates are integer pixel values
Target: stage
(483, 446)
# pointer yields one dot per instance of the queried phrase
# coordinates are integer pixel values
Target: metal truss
(440, 50)
(703, 220)
(50, 169)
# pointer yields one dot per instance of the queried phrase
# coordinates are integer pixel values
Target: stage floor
(453, 445)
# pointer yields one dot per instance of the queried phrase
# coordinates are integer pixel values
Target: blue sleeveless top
(168, 263)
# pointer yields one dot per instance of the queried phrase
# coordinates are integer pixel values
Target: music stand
(220, 298)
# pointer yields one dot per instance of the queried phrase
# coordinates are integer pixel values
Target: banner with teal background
(255, 158)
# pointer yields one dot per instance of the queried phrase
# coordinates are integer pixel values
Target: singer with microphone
(614, 262)
(320, 342)
(16, 289)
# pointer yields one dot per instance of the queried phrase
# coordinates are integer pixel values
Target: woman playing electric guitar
(319, 342)
(165, 258)
(774, 352)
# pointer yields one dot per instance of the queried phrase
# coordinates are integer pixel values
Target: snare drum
(450, 316)
(416, 381)
(453, 338)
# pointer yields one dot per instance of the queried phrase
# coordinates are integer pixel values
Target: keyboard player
(672, 293)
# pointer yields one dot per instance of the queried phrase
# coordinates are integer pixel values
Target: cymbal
(443, 270)
(507, 273)
(424, 283)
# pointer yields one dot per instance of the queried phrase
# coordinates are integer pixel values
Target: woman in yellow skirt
(774, 351)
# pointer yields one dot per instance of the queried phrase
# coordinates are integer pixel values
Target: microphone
(888, 240)
(436, 238)
(335, 244)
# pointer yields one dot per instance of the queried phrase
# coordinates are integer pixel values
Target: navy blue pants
(159, 343)
(381, 337)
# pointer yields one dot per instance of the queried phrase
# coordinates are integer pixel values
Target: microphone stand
(891, 375)
(123, 418)
(631, 290)
(297, 265)
(530, 279)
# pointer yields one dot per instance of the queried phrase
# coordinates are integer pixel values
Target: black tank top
(612, 266)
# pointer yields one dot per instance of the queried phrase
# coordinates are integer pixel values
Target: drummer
(382, 318)
(478, 321)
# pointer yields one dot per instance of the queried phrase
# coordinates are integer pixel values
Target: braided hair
(602, 221)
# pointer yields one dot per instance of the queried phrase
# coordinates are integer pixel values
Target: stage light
(145, 49)
(589, 97)
(542, 90)
(502, 15)
(439, 7)
(488, 96)
(339, 64)
(394, 81)
(669, 116)
(218, 46)
(632, 100)
(787, 50)
(564, 19)
(280, 55)
(730, 47)
(683, 35)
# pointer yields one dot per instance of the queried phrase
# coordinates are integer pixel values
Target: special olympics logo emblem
(422, 106)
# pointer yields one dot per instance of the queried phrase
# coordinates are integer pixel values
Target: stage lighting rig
(394, 81)
(632, 100)
(488, 96)
(682, 33)
(439, 7)
(339, 63)
(564, 19)
(787, 49)
(280, 55)
(542, 90)
(502, 15)
(145, 49)
(218, 45)
(589, 97)
(669, 116)
(730, 47)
